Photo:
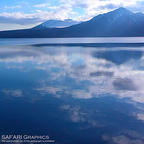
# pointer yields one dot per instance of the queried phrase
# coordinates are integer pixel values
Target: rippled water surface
(76, 95)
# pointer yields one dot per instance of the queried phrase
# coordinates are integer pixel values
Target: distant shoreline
(93, 44)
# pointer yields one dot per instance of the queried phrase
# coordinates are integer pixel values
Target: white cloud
(122, 139)
(50, 90)
(140, 116)
(13, 7)
(15, 93)
(75, 114)
(82, 94)
(42, 5)
(126, 137)
(94, 7)
(36, 17)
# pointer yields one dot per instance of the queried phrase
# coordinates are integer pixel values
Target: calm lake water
(73, 94)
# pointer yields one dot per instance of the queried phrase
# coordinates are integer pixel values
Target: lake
(75, 94)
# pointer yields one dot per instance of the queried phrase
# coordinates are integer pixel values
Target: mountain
(56, 24)
(118, 23)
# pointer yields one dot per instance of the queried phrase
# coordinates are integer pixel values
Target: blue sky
(15, 14)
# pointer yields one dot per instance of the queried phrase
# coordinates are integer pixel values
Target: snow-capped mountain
(56, 24)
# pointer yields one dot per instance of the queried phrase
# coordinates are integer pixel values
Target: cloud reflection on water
(97, 67)
(83, 74)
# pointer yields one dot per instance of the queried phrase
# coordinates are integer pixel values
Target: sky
(19, 14)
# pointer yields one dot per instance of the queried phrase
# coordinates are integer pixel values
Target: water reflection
(74, 94)
(119, 56)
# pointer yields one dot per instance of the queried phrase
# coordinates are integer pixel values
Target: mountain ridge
(117, 23)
